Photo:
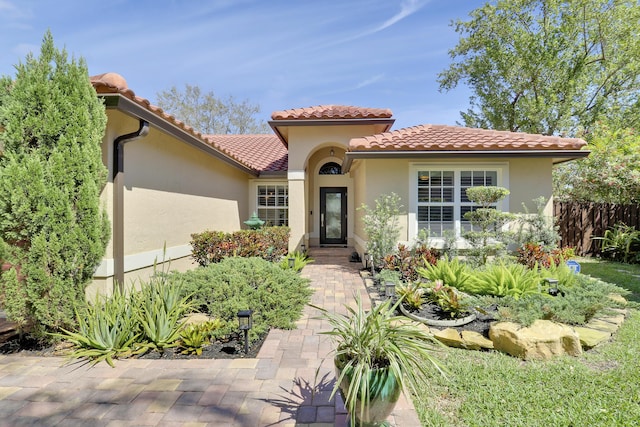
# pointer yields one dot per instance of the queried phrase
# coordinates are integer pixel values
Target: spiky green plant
(514, 280)
(106, 330)
(367, 341)
(300, 260)
(451, 271)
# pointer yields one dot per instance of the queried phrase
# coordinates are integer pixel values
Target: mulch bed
(229, 349)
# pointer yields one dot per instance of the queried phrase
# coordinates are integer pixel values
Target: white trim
(143, 260)
(502, 169)
(294, 175)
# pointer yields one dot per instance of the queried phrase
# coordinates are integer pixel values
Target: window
(273, 204)
(440, 198)
(331, 168)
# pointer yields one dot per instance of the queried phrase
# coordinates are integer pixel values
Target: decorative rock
(542, 340)
(474, 341)
(449, 337)
(616, 320)
(196, 319)
(590, 338)
(618, 298)
(602, 325)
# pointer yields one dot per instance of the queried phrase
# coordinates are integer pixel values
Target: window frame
(502, 178)
(276, 207)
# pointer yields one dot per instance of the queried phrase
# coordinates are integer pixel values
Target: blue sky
(279, 54)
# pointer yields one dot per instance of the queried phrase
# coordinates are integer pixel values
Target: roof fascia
(559, 156)
(126, 105)
(276, 124)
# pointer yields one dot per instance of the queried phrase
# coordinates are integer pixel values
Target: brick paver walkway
(288, 384)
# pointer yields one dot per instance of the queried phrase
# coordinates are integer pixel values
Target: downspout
(118, 200)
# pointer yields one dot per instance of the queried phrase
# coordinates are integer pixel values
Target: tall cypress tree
(53, 230)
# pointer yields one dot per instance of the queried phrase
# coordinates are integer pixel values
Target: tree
(211, 115)
(382, 226)
(547, 66)
(611, 173)
(53, 230)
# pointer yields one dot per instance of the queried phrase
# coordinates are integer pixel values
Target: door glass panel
(333, 215)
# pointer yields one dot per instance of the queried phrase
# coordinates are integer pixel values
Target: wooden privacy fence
(579, 222)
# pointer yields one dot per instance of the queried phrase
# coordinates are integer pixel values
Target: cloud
(369, 81)
(407, 8)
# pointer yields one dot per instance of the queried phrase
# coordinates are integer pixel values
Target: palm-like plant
(377, 354)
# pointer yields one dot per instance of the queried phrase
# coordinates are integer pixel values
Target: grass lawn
(600, 388)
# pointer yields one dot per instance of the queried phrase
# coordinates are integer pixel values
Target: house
(168, 181)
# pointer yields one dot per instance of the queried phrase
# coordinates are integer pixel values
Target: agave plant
(106, 330)
(377, 354)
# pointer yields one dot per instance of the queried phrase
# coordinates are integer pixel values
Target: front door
(333, 215)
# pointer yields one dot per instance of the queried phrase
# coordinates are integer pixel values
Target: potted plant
(377, 354)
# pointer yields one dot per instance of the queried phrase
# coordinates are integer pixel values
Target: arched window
(330, 168)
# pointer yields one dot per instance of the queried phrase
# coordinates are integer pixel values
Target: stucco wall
(526, 178)
(171, 191)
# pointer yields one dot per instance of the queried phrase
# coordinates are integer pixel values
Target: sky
(279, 54)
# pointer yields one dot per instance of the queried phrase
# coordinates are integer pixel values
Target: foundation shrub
(534, 254)
(407, 261)
(276, 296)
(269, 243)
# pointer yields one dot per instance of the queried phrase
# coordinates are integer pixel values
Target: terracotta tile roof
(328, 112)
(264, 153)
(456, 138)
(110, 83)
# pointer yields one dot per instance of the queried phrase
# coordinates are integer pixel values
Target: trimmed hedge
(269, 243)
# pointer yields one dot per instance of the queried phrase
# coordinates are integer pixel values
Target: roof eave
(126, 105)
(559, 156)
(277, 124)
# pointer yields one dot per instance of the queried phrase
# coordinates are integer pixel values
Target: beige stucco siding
(171, 191)
(526, 178)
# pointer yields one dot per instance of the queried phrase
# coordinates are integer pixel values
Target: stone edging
(542, 340)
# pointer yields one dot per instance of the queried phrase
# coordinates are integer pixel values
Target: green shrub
(577, 306)
(407, 260)
(269, 243)
(487, 236)
(514, 280)
(276, 296)
(300, 260)
(452, 272)
(622, 244)
(54, 230)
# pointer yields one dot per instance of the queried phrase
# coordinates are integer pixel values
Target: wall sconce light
(390, 290)
(245, 322)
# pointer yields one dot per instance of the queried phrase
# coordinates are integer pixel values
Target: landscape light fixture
(245, 322)
(331, 152)
(390, 290)
(366, 260)
(292, 262)
(373, 267)
(553, 286)
(303, 248)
